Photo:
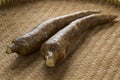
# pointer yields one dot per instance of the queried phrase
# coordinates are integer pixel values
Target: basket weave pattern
(97, 56)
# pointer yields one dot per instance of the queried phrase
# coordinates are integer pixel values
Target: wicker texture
(97, 56)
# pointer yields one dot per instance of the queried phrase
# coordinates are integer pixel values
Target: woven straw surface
(96, 58)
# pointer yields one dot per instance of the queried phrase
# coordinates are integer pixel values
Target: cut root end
(9, 51)
(50, 62)
(10, 48)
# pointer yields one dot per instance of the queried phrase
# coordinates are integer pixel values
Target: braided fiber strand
(5, 2)
(117, 2)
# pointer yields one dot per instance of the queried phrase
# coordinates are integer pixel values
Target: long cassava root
(57, 47)
(31, 41)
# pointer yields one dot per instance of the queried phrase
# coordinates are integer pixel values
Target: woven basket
(97, 56)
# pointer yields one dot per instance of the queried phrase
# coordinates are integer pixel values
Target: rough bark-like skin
(58, 45)
(31, 41)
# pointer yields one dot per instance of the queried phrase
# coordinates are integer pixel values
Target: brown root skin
(65, 39)
(32, 41)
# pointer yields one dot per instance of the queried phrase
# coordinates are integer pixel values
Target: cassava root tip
(50, 62)
(50, 59)
(9, 49)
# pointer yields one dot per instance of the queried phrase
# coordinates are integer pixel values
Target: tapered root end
(114, 16)
(9, 51)
(50, 62)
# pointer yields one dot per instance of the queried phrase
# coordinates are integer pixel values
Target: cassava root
(31, 41)
(55, 49)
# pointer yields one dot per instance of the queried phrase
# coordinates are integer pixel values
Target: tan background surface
(98, 55)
